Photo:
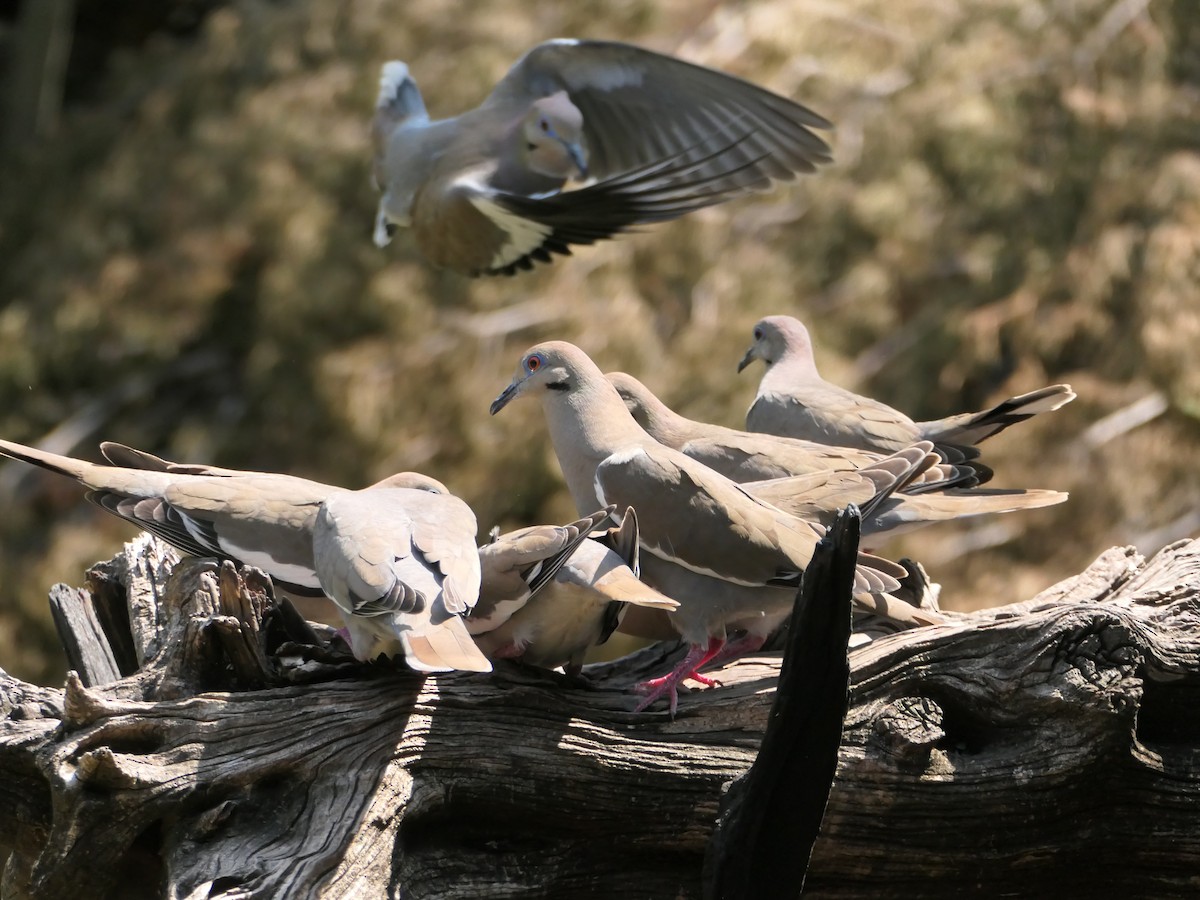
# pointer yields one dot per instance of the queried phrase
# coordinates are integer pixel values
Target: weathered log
(1048, 748)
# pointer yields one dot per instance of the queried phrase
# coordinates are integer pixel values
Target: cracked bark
(1051, 747)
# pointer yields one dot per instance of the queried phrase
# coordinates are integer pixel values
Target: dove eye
(534, 363)
(545, 125)
(758, 334)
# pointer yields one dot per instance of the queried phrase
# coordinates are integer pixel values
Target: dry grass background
(1015, 201)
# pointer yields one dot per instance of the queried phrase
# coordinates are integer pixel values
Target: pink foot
(688, 668)
(508, 651)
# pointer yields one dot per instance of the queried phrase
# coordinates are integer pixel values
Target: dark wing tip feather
(658, 192)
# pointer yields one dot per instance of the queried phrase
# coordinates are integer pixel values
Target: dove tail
(63, 465)
(971, 428)
(399, 95)
(443, 648)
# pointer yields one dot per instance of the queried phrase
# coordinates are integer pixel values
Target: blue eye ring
(534, 363)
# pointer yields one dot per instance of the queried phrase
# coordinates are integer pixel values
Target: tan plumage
(517, 565)
(578, 606)
(795, 401)
(731, 560)
(402, 567)
(270, 521)
(934, 491)
(256, 518)
(657, 136)
(744, 456)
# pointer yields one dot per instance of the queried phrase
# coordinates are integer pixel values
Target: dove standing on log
(402, 567)
(640, 136)
(733, 562)
(295, 530)
(895, 493)
(552, 592)
(751, 456)
(795, 401)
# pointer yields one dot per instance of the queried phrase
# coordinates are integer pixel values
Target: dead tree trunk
(1047, 748)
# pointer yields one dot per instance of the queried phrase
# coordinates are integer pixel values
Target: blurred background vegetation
(186, 263)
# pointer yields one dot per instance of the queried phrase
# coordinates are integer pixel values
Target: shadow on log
(1046, 748)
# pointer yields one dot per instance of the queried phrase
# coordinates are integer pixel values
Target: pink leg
(508, 651)
(733, 649)
(668, 684)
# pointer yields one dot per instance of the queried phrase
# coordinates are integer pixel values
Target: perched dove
(566, 590)
(934, 491)
(795, 401)
(647, 137)
(731, 560)
(516, 566)
(402, 567)
(750, 456)
(254, 518)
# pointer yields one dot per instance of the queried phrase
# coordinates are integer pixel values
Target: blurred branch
(1116, 20)
(1125, 420)
(91, 417)
(43, 46)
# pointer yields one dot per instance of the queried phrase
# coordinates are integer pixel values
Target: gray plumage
(732, 561)
(750, 456)
(262, 519)
(565, 589)
(517, 565)
(793, 400)
(643, 136)
(896, 493)
(402, 567)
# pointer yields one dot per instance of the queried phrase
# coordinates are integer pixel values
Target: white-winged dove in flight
(580, 141)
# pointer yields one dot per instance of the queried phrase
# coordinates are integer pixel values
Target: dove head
(776, 337)
(414, 481)
(640, 402)
(554, 367)
(552, 135)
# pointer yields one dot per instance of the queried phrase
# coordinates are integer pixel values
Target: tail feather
(896, 472)
(971, 428)
(975, 502)
(132, 458)
(897, 610)
(63, 465)
(444, 648)
(621, 585)
(624, 540)
(399, 97)
(124, 456)
(578, 531)
(877, 575)
(908, 511)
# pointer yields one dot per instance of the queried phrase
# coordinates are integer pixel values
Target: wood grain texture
(1046, 748)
